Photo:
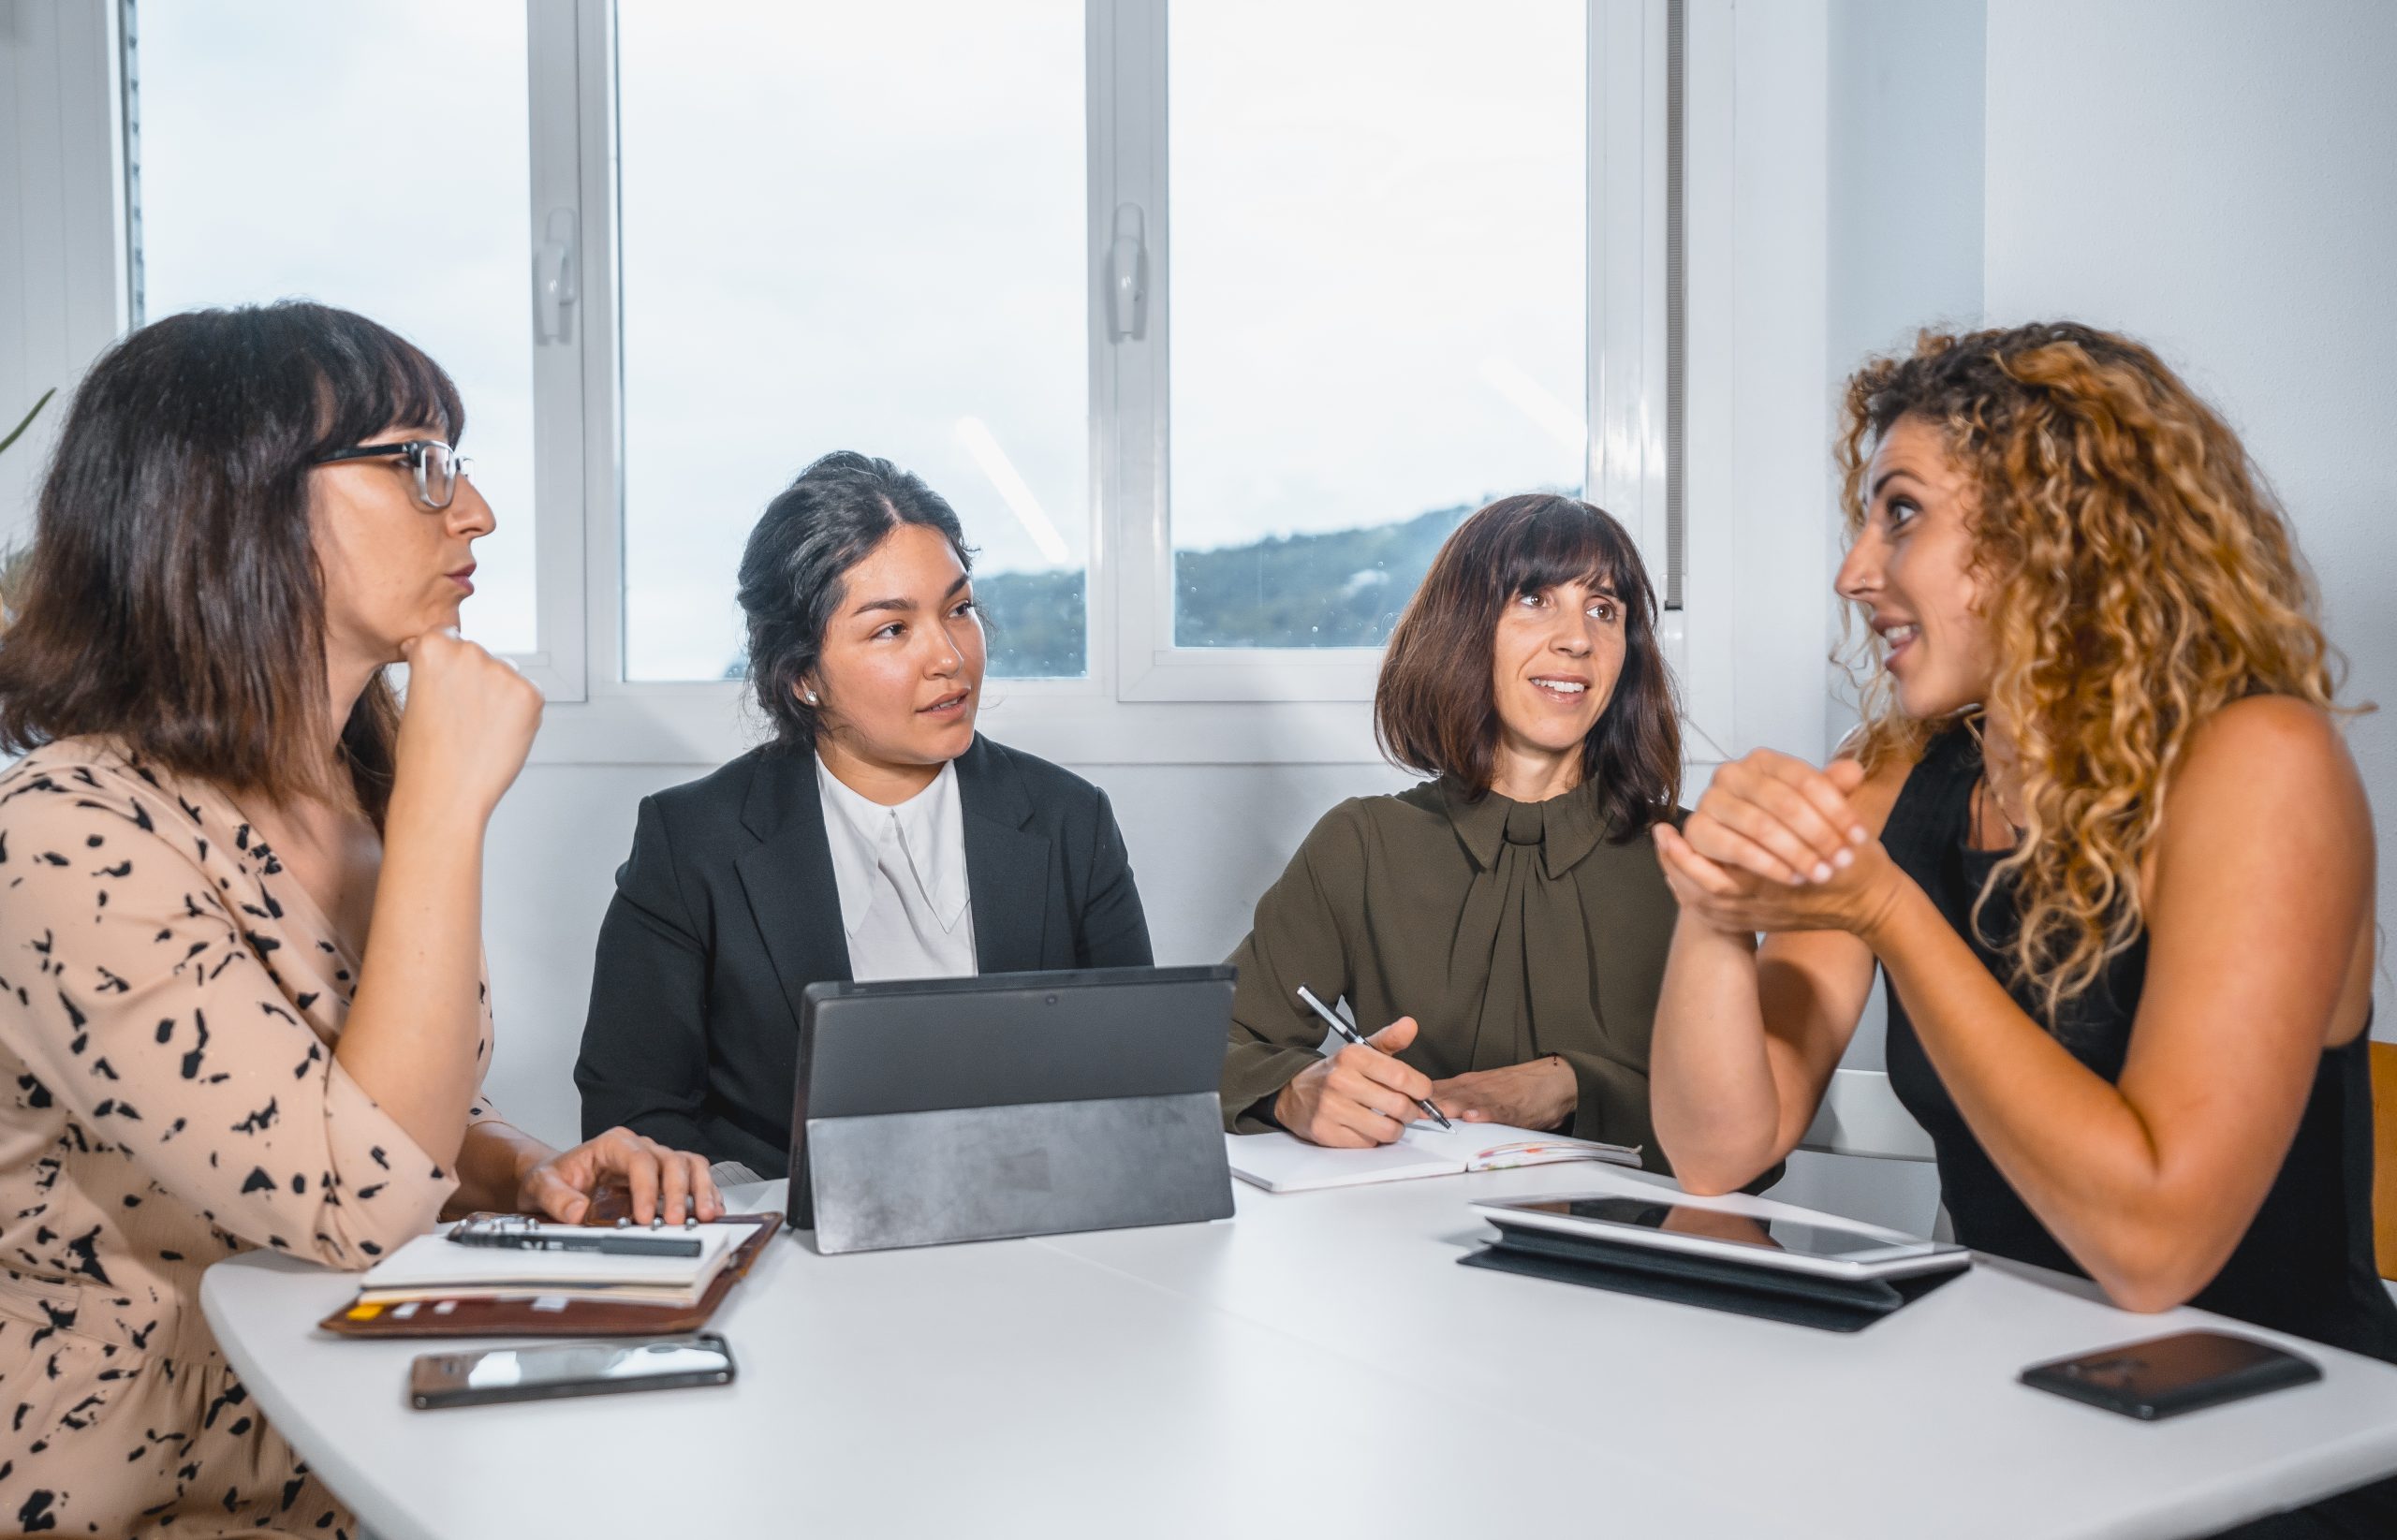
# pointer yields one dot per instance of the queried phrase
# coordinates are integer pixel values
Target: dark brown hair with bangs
(1435, 710)
(173, 599)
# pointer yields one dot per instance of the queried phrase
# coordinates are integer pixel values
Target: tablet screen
(1831, 1243)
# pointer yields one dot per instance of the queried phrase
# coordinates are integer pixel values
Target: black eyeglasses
(437, 466)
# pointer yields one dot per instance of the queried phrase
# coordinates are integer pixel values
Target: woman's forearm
(2065, 1138)
(415, 1024)
(492, 1160)
(1714, 1098)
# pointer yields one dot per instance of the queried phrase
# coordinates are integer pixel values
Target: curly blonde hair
(2135, 574)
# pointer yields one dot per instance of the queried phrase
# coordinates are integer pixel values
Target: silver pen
(1348, 1035)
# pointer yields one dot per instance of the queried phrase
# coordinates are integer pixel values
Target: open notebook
(1280, 1163)
(432, 1267)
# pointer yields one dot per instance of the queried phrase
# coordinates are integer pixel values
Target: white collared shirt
(901, 871)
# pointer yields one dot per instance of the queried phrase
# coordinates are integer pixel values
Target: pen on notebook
(604, 1243)
(1348, 1035)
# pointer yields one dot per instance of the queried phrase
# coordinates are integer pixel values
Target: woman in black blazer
(841, 841)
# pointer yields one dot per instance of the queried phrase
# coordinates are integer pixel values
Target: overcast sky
(864, 227)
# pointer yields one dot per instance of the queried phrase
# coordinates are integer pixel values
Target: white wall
(1904, 231)
(1902, 239)
(1904, 192)
(2219, 178)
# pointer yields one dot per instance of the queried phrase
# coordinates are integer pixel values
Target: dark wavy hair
(1434, 711)
(173, 599)
(794, 572)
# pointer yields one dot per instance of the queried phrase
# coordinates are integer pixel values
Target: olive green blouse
(1508, 930)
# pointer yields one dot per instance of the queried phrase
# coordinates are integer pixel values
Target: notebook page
(1496, 1146)
(1280, 1163)
(435, 1261)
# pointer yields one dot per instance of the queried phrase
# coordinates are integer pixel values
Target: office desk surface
(1318, 1365)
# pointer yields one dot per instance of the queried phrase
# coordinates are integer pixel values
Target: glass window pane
(1379, 298)
(853, 227)
(372, 156)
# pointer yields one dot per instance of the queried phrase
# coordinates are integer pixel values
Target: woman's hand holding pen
(1359, 1096)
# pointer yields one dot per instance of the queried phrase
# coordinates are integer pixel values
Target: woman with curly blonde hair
(2100, 832)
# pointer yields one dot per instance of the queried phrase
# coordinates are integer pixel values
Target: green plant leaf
(18, 430)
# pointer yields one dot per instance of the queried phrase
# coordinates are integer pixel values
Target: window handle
(555, 283)
(1127, 275)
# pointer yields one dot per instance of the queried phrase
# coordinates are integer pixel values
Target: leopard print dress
(170, 997)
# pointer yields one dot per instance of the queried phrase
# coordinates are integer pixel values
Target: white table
(1317, 1366)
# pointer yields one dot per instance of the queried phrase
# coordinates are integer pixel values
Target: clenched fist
(466, 726)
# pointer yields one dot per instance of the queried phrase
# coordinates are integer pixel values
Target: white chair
(1862, 1116)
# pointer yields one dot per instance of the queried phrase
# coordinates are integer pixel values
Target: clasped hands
(1364, 1095)
(1775, 844)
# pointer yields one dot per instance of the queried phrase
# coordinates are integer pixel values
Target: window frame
(556, 187)
(1142, 700)
(567, 435)
(1622, 396)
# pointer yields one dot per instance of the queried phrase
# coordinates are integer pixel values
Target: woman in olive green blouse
(1506, 918)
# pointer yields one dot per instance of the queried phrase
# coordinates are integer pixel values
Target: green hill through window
(1339, 589)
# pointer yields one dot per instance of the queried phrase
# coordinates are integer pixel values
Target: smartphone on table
(553, 1370)
(2165, 1376)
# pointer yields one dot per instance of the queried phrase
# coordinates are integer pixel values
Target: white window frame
(1623, 377)
(1142, 700)
(562, 372)
(569, 352)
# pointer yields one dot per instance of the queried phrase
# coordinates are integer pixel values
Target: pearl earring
(811, 697)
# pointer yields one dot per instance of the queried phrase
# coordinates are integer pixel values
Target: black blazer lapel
(1007, 865)
(792, 893)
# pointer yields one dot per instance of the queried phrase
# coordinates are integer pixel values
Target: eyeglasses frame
(417, 452)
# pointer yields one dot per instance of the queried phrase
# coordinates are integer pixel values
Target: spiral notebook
(1280, 1163)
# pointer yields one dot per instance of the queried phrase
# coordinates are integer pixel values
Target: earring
(811, 697)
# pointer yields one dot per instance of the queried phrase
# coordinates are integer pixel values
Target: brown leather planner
(562, 1316)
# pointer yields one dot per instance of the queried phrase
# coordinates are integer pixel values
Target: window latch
(1127, 275)
(556, 285)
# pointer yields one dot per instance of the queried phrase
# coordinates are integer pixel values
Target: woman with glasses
(242, 993)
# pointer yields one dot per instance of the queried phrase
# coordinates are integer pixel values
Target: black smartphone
(555, 1370)
(2165, 1376)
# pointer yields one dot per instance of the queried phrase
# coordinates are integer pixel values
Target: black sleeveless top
(2305, 1265)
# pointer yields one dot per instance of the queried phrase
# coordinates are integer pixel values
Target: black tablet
(942, 1109)
(1816, 1244)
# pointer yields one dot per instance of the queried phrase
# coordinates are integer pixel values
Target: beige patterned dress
(170, 997)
